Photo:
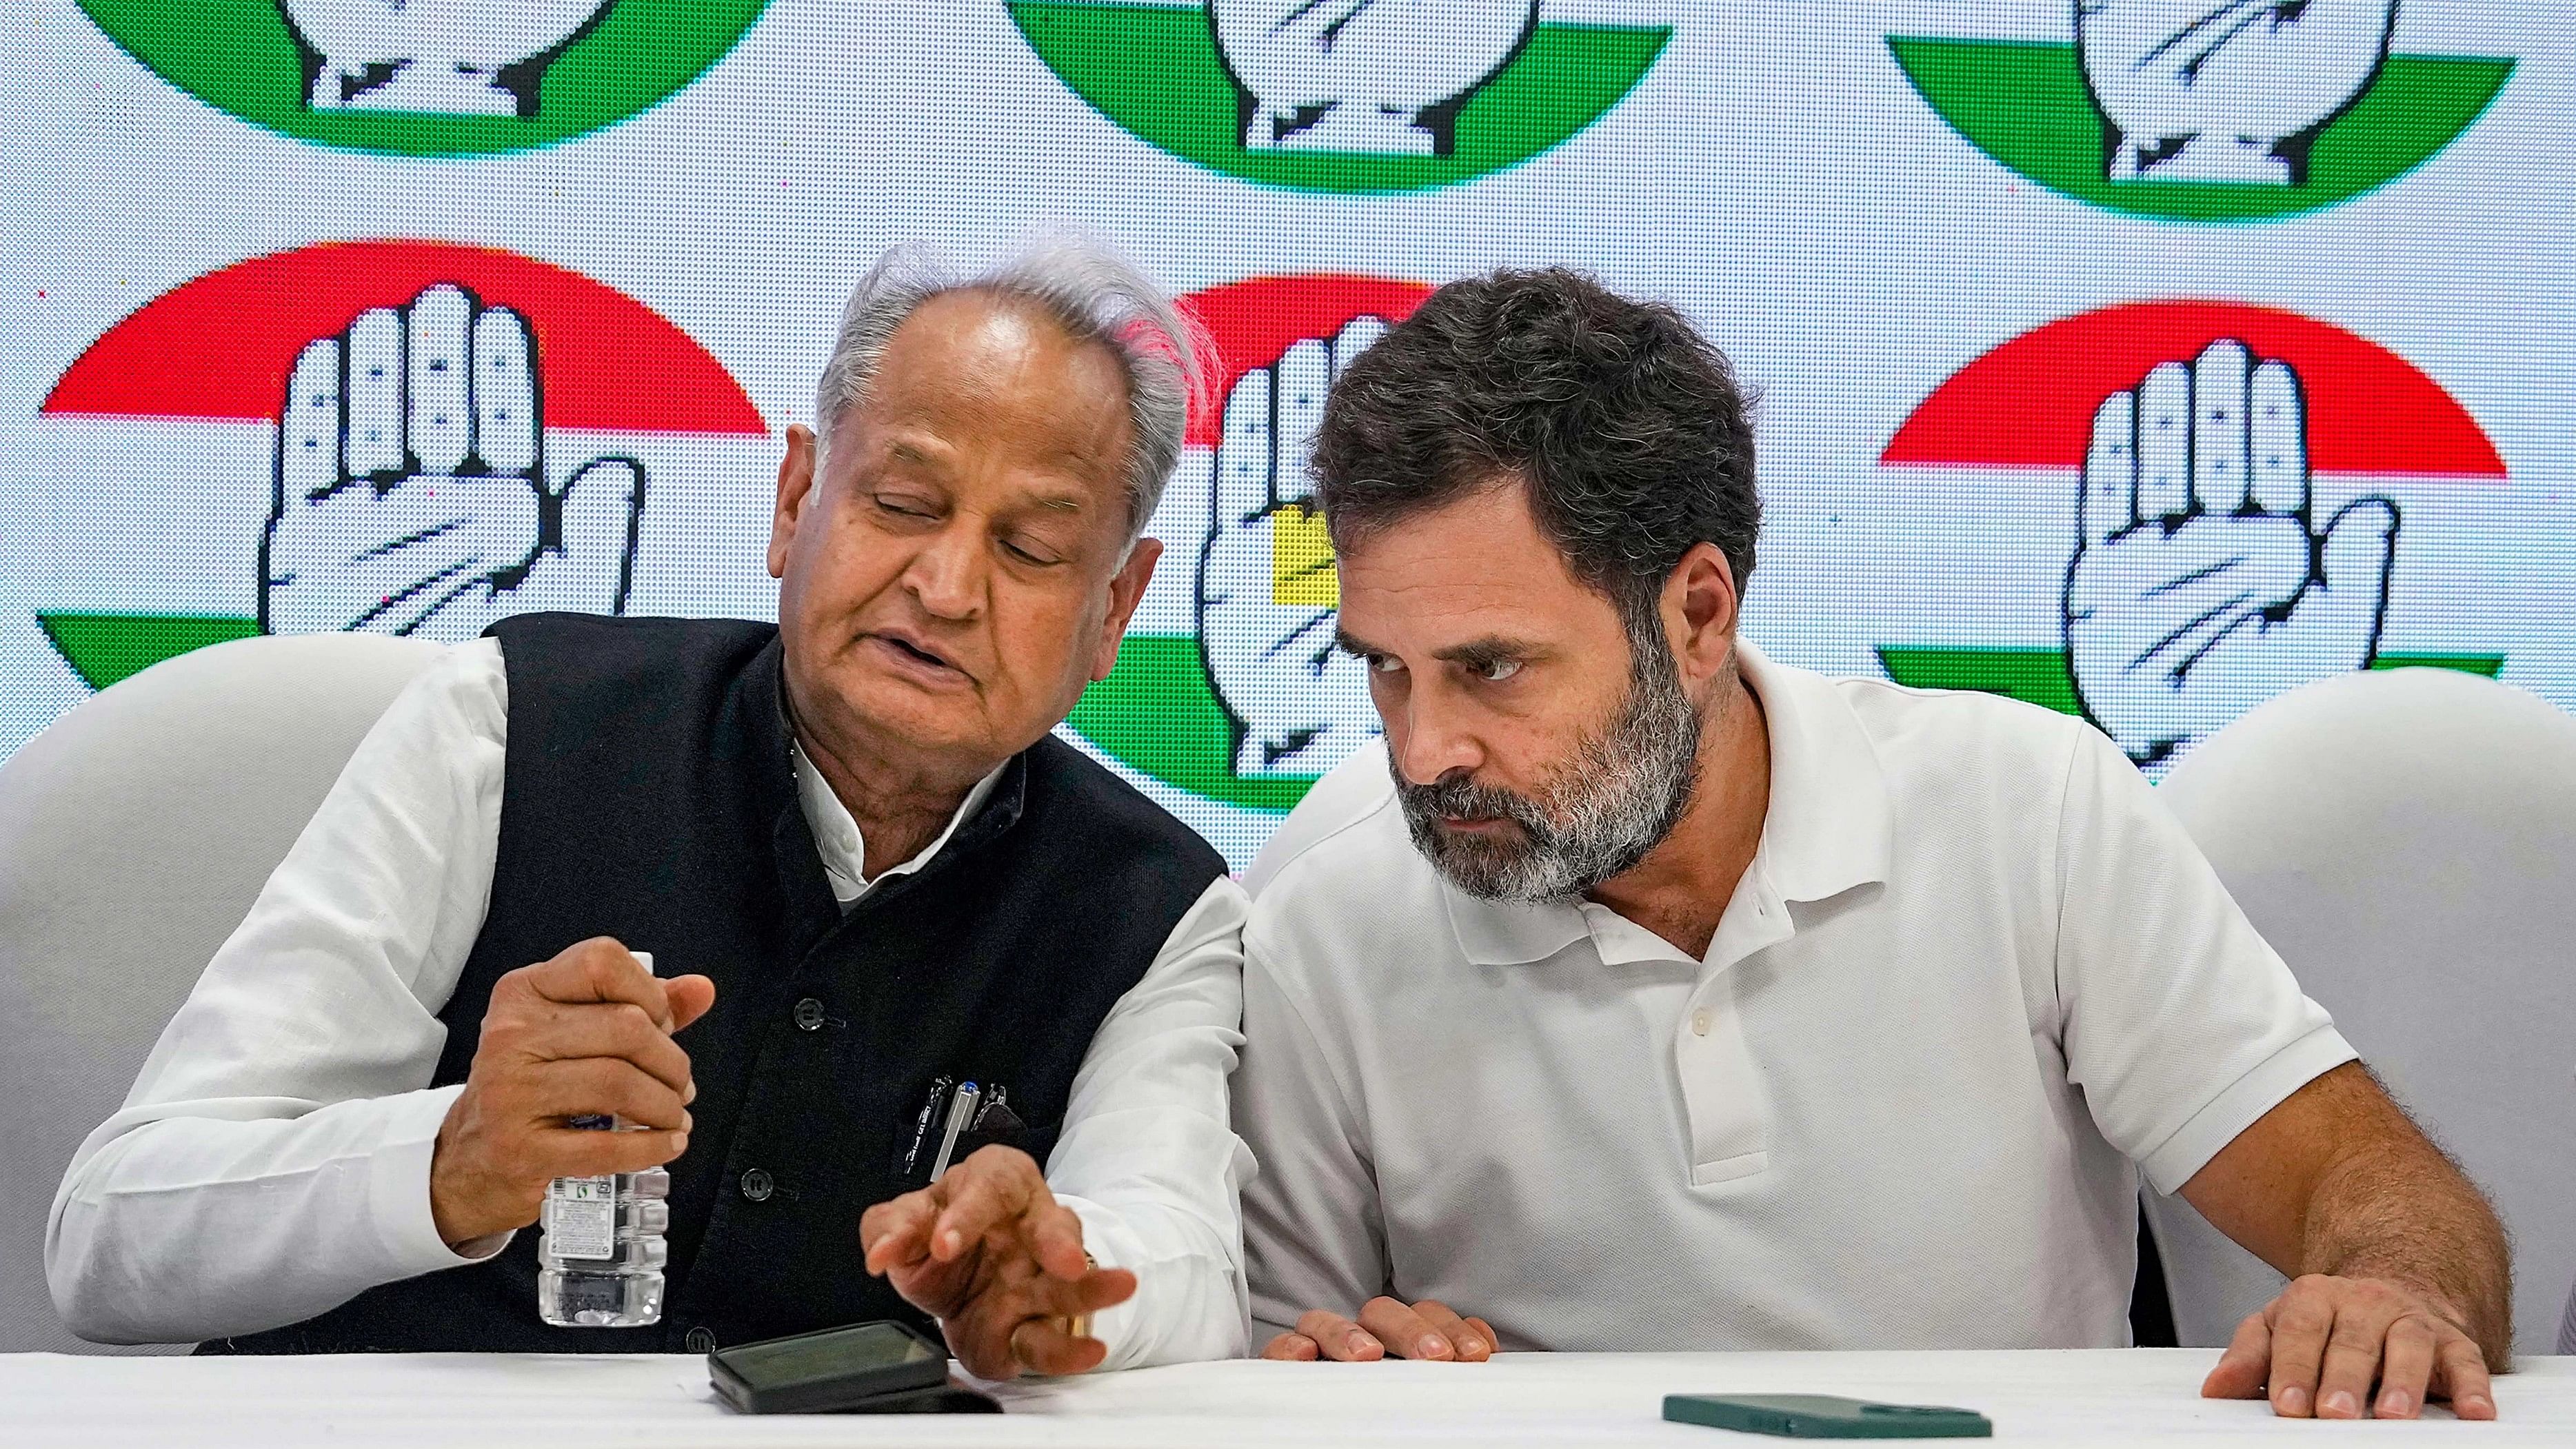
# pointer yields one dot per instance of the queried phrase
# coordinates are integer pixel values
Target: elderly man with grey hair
(897, 924)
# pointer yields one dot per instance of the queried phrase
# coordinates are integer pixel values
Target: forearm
(1149, 1160)
(2400, 1211)
(244, 1215)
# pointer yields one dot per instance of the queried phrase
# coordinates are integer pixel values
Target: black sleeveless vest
(648, 795)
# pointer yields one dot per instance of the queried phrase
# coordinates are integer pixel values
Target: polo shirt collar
(1828, 827)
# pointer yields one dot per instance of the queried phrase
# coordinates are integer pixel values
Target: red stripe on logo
(1253, 324)
(221, 346)
(2030, 402)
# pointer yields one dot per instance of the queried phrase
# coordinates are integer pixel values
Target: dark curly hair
(1626, 427)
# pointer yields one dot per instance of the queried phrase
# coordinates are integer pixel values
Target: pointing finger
(2219, 400)
(2164, 443)
(1089, 1293)
(505, 392)
(440, 415)
(1055, 1239)
(2277, 441)
(1244, 457)
(374, 442)
(896, 1233)
(308, 427)
(2108, 502)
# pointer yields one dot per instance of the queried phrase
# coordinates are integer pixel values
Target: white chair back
(134, 834)
(2406, 839)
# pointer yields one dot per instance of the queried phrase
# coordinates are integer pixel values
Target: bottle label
(581, 1218)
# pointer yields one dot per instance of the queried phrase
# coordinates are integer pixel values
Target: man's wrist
(403, 1189)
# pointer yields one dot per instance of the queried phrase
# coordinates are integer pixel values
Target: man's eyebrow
(1491, 649)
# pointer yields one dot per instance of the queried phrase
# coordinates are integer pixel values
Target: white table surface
(2132, 1396)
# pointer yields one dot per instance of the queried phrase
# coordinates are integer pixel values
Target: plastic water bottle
(600, 1251)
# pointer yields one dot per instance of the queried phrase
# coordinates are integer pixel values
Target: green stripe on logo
(105, 648)
(2041, 676)
(2025, 104)
(1154, 69)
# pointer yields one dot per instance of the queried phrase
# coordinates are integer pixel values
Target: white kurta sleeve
(2181, 1025)
(273, 1158)
(1148, 1158)
(1313, 1233)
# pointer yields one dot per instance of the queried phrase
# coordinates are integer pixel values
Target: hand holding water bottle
(587, 1034)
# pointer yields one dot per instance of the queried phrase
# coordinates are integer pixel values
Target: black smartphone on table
(880, 1368)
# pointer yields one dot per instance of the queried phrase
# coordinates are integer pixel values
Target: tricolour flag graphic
(2175, 109)
(1378, 96)
(2229, 499)
(1228, 699)
(406, 436)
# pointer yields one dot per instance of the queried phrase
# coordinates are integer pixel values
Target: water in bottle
(601, 1251)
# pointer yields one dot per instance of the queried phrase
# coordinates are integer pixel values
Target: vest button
(758, 1185)
(809, 1015)
(700, 1340)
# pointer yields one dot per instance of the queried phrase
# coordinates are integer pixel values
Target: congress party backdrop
(2140, 359)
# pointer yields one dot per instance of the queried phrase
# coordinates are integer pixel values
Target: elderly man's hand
(586, 1034)
(1428, 1329)
(990, 1253)
(2318, 1348)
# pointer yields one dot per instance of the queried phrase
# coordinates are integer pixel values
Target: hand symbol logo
(452, 57)
(2225, 90)
(1267, 592)
(1375, 76)
(2200, 586)
(412, 495)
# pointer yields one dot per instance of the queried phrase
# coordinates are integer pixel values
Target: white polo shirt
(1974, 972)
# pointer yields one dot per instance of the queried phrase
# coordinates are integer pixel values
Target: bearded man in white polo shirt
(1642, 993)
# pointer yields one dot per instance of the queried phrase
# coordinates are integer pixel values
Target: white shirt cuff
(2188, 1150)
(398, 1190)
(1114, 1326)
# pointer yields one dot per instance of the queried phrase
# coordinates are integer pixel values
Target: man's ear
(1126, 588)
(1699, 606)
(795, 490)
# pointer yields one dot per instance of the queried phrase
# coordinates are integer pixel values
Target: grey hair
(1092, 291)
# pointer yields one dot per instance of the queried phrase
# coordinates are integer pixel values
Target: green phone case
(1821, 1416)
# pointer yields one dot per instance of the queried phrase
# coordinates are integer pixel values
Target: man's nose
(1428, 745)
(950, 573)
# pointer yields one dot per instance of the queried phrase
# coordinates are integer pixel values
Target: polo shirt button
(700, 1340)
(758, 1185)
(1699, 1022)
(809, 1015)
